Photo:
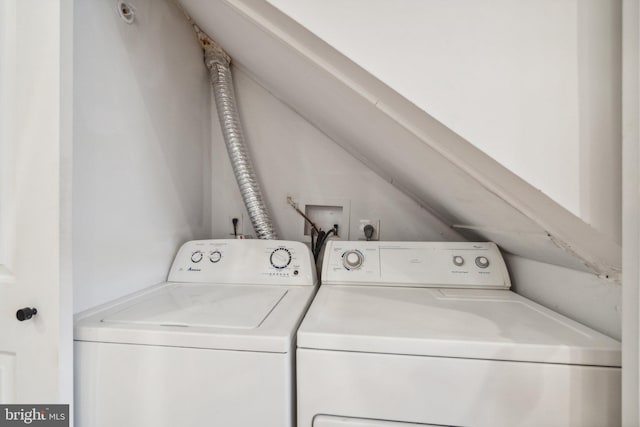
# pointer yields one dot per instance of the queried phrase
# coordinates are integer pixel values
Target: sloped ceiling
(405, 145)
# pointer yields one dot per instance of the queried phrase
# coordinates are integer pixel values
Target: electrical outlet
(239, 228)
(376, 229)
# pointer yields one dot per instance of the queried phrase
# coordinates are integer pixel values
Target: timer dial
(280, 258)
(352, 259)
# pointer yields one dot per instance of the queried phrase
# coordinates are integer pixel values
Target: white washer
(429, 333)
(214, 345)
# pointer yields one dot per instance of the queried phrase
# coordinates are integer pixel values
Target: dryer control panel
(244, 261)
(428, 264)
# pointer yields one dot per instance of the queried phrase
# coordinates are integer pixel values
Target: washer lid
(464, 323)
(194, 305)
(222, 316)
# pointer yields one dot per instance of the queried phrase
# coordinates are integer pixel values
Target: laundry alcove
(150, 170)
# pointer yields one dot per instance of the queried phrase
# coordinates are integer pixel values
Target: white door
(34, 133)
(631, 214)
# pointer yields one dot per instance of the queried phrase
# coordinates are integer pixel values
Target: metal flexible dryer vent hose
(218, 63)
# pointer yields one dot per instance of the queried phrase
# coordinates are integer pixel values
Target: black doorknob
(26, 313)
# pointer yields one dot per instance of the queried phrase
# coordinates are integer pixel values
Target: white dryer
(214, 345)
(404, 334)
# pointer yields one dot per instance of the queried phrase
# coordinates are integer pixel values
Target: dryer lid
(461, 323)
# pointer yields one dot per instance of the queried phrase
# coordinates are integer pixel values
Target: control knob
(196, 256)
(352, 259)
(482, 262)
(280, 258)
(215, 256)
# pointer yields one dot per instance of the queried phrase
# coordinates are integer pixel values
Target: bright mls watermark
(34, 415)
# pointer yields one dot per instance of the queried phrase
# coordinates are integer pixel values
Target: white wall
(141, 146)
(580, 296)
(536, 85)
(65, 352)
(294, 158)
(631, 220)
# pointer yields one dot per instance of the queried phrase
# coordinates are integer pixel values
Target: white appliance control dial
(458, 260)
(280, 258)
(482, 262)
(215, 256)
(352, 259)
(196, 256)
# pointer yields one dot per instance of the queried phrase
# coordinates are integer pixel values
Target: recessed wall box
(325, 213)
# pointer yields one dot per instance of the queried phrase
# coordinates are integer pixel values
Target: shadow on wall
(142, 132)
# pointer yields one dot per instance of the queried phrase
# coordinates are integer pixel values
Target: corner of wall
(583, 297)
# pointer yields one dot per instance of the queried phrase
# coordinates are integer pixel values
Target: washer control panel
(244, 261)
(429, 264)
